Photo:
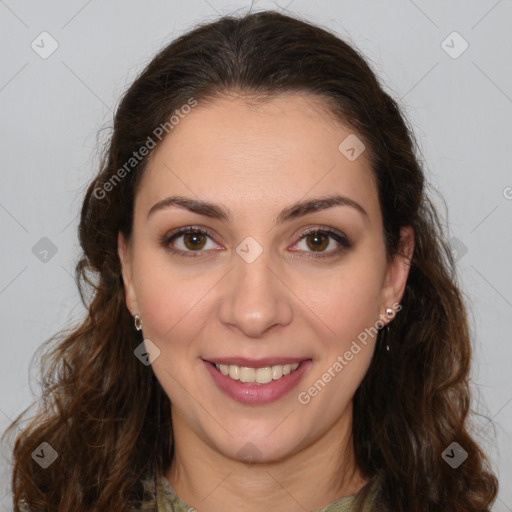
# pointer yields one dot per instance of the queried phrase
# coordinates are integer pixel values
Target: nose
(256, 298)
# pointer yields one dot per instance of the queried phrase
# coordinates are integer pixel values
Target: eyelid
(190, 229)
(323, 229)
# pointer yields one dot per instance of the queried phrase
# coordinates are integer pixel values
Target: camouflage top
(161, 497)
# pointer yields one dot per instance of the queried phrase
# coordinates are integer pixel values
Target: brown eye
(189, 241)
(317, 241)
(194, 240)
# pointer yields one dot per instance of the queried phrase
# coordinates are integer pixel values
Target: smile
(260, 383)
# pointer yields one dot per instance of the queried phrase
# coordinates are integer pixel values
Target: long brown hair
(105, 413)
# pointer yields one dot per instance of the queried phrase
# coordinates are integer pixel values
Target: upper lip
(256, 363)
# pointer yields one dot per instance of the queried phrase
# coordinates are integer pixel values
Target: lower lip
(257, 393)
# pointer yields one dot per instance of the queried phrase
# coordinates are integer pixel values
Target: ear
(398, 272)
(125, 257)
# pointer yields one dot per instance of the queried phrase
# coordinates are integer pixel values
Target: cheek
(168, 296)
(349, 309)
(173, 308)
(347, 301)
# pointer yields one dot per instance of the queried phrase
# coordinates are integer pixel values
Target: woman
(274, 320)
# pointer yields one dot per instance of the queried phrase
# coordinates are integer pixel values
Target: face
(256, 280)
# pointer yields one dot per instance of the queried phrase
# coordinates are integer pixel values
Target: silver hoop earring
(138, 322)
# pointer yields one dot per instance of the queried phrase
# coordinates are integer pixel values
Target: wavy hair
(106, 414)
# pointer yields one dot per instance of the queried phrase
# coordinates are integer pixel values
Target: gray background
(54, 110)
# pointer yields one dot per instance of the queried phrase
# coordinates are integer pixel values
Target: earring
(138, 322)
(389, 313)
(384, 336)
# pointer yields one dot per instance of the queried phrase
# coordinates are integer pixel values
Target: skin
(257, 159)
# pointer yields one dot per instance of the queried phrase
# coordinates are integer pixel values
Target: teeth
(234, 371)
(256, 375)
(277, 372)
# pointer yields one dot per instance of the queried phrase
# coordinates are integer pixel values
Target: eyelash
(339, 237)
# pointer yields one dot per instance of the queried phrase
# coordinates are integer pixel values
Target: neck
(311, 478)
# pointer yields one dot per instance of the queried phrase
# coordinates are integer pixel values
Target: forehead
(278, 151)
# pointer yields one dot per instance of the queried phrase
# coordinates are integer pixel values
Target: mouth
(257, 381)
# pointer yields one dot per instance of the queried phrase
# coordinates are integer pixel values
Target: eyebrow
(296, 210)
